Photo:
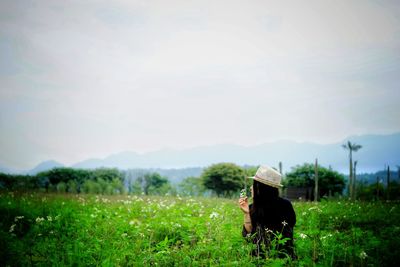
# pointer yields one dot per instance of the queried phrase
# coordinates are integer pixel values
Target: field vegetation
(137, 230)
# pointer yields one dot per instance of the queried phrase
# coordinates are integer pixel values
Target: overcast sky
(82, 79)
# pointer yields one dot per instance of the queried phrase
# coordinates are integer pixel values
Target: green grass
(82, 230)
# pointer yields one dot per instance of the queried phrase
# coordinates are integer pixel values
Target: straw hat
(268, 176)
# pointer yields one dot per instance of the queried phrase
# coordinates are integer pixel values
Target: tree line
(221, 180)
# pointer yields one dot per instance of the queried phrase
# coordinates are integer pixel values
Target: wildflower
(12, 228)
(363, 255)
(284, 223)
(131, 223)
(304, 213)
(268, 231)
(214, 215)
(18, 218)
(303, 235)
(39, 219)
(49, 218)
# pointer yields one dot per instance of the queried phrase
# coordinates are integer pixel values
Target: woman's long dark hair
(264, 200)
(269, 213)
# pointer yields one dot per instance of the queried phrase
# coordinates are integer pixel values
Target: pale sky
(84, 79)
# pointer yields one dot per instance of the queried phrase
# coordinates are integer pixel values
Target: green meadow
(38, 229)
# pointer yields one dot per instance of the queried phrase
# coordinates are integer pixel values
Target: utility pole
(316, 181)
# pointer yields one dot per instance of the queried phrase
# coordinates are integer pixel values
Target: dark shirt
(279, 218)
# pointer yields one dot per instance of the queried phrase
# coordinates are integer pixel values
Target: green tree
(117, 186)
(91, 187)
(191, 186)
(152, 182)
(107, 174)
(223, 178)
(135, 187)
(351, 147)
(330, 182)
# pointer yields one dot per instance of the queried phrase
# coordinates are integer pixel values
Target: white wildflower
(12, 228)
(49, 218)
(303, 235)
(268, 230)
(214, 215)
(284, 223)
(39, 219)
(16, 219)
(363, 255)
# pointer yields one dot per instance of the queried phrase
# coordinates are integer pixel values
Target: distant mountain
(7, 170)
(377, 151)
(45, 166)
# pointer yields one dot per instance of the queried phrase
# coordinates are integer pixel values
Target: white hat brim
(266, 182)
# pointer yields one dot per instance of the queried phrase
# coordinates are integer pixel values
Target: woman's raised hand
(244, 204)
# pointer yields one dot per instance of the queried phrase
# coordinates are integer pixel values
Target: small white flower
(18, 218)
(284, 223)
(12, 228)
(268, 230)
(49, 218)
(39, 219)
(303, 235)
(214, 215)
(363, 255)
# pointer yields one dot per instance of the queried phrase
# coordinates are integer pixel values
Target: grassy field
(82, 230)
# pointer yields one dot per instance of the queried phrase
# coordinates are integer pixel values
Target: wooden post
(351, 175)
(283, 193)
(377, 187)
(316, 181)
(354, 181)
(388, 182)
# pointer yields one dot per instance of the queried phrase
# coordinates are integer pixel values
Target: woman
(269, 215)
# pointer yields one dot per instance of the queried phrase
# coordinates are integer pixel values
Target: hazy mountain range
(377, 152)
